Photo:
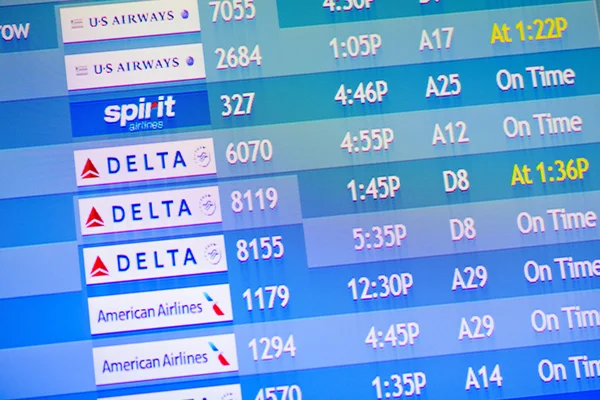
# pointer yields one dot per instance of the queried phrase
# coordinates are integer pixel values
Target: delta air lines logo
(155, 259)
(153, 210)
(222, 392)
(94, 220)
(89, 170)
(99, 269)
(145, 162)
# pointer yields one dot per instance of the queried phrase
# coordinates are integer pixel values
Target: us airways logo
(11, 32)
(131, 19)
(156, 259)
(146, 114)
(150, 210)
(134, 67)
(138, 18)
(145, 162)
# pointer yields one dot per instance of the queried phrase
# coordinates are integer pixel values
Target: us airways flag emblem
(99, 269)
(89, 170)
(94, 220)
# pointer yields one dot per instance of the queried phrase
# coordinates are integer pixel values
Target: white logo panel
(135, 67)
(145, 162)
(165, 359)
(159, 259)
(160, 309)
(152, 210)
(226, 392)
(128, 20)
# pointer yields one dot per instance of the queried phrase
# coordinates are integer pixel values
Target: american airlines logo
(124, 20)
(152, 210)
(165, 359)
(131, 67)
(11, 32)
(145, 162)
(155, 259)
(160, 309)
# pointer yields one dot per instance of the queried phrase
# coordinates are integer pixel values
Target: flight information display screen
(299, 199)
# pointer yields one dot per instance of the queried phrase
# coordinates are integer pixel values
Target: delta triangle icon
(99, 269)
(94, 220)
(89, 170)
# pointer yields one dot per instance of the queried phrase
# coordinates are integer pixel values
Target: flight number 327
(237, 105)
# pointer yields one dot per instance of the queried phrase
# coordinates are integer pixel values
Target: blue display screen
(299, 200)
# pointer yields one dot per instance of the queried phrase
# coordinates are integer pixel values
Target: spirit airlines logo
(158, 259)
(123, 20)
(145, 162)
(154, 210)
(140, 114)
(147, 114)
(160, 309)
(133, 67)
(165, 359)
(10, 32)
